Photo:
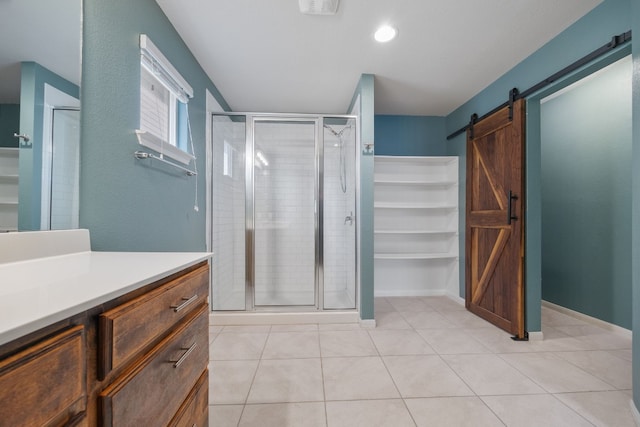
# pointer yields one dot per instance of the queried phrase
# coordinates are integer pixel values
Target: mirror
(40, 103)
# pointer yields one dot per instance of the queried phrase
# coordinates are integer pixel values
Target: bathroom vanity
(102, 339)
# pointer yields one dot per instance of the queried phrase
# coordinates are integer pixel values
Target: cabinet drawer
(151, 392)
(194, 412)
(45, 384)
(130, 327)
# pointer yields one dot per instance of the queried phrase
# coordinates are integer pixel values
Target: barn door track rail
(514, 94)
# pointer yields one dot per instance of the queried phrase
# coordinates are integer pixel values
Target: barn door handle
(510, 216)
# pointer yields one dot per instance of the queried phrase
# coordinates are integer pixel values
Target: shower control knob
(349, 218)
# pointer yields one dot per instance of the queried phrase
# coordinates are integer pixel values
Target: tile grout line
(468, 385)
(456, 326)
(384, 363)
(547, 392)
(615, 388)
(561, 359)
(324, 391)
(253, 379)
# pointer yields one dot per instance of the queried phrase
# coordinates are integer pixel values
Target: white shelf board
(412, 206)
(416, 159)
(9, 177)
(415, 182)
(416, 231)
(9, 202)
(415, 256)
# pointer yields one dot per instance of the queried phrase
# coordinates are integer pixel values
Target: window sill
(167, 150)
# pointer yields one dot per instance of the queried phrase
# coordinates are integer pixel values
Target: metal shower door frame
(250, 288)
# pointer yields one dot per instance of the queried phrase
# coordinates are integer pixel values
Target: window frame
(159, 68)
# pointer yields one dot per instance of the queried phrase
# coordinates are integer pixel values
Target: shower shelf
(416, 226)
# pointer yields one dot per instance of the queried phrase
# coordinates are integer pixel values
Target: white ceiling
(264, 55)
(44, 31)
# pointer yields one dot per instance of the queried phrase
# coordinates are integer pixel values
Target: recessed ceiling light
(385, 33)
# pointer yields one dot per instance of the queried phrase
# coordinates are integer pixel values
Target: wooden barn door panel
(494, 219)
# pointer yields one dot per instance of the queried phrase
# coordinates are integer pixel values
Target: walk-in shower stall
(284, 212)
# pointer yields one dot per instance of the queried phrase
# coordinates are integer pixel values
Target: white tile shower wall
(339, 236)
(65, 179)
(228, 216)
(285, 214)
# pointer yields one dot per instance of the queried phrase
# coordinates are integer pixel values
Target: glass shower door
(284, 172)
(228, 213)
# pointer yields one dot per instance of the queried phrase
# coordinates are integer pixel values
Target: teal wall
(32, 82)
(610, 18)
(410, 135)
(9, 123)
(585, 187)
(635, 209)
(365, 91)
(132, 205)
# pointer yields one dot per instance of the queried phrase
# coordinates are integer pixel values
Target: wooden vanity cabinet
(135, 360)
(44, 384)
(152, 391)
(128, 328)
(195, 410)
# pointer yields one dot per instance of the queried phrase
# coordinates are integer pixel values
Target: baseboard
(368, 323)
(588, 319)
(536, 336)
(456, 298)
(274, 318)
(634, 412)
(411, 293)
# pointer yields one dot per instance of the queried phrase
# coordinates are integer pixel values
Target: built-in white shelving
(416, 226)
(8, 189)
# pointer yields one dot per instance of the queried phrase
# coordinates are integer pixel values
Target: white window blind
(155, 107)
(162, 88)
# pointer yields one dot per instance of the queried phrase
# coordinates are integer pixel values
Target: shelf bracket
(144, 155)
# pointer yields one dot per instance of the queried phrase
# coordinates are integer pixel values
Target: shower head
(335, 132)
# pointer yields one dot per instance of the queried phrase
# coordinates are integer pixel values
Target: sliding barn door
(494, 219)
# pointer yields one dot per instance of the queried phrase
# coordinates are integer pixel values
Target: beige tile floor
(429, 362)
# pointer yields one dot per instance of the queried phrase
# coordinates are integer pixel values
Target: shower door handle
(349, 218)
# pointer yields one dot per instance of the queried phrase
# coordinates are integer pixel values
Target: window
(228, 160)
(164, 95)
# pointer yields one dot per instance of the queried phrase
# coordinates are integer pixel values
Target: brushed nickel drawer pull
(186, 302)
(186, 354)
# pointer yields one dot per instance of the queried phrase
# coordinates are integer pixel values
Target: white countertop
(36, 293)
